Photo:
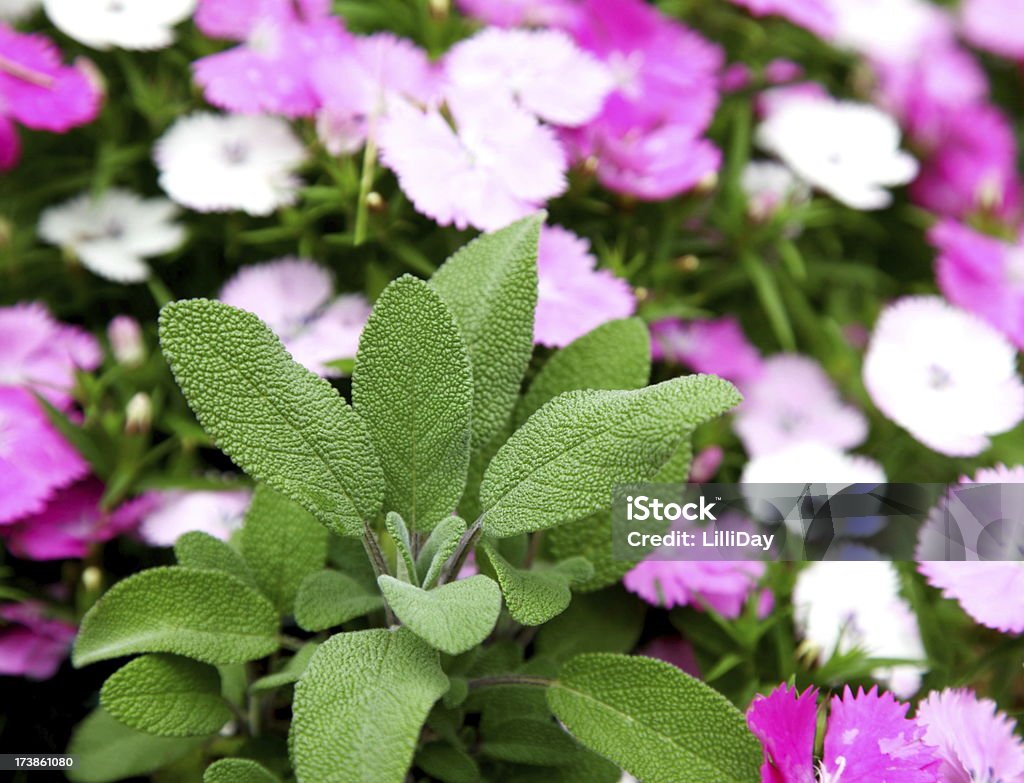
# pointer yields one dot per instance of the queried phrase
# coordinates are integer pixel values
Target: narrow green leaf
(441, 545)
(615, 355)
(490, 286)
(453, 618)
(413, 387)
(585, 767)
(200, 550)
(535, 596)
(400, 535)
(447, 763)
(564, 462)
(166, 695)
(289, 673)
(277, 420)
(282, 543)
(329, 598)
(206, 615)
(654, 721)
(107, 750)
(360, 705)
(609, 621)
(529, 741)
(237, 771)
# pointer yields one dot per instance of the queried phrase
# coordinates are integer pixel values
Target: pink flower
(37, 91)
(723, 586)
(32, 644)
(716, 346)
(175, 513)
(357, 83)
(512, 13)
(869, 739)
(574, 297)
(35, 461)
(995, 25)
(674, 650)
(294, 297)
(496, 165)
(983, 275)
(71, 522)
(126, 341)
(814, 15)
(793, 401)
(39, 353)
(270, 71)
(975, 741)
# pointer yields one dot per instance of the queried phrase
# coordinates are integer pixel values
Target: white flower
(890, 30)
(112, 233)
(16, 10)
(128, 24)
(218, 513)
(849, 150)
(769, 186)
(812, 462)
(947, 377)
(845, 605)
(219, 163)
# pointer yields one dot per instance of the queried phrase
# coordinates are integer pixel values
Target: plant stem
(380, 565)
(457, 560)
(365, 183)
(511, 679)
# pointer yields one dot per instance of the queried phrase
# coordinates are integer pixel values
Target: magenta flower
(716, 346)
(37, 91)
(975, 741)
(869, 739)
(35, 461)
(39, 353)
(983, 275)
(174, 513)
(270, 71)
(794, 401)
(72, 522)
(32, 644)
(814, 15)
(723, 586)
(995, 25)
(513, 13)
(573, 296)
(496, 165)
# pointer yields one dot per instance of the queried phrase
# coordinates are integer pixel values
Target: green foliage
(360, 706)
(281, 423)
(530, 741)
(107, 750)
(447, 763)
(656, 722)
(289, 673)
(490, 286)
(166, 695)
(329, 598)
(237, 771)
(563, 463)
(535, 596)
(608, 621)
(206, 615)
(196, 549)
(413, 387)
(405, 562)
(452, 618)
(441, 545)
(275, 525)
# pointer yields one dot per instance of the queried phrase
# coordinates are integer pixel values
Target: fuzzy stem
(466, 543)
(365, 183)
(380, 565)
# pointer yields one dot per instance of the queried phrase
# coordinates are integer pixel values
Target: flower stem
(466, 543)
(365, 183)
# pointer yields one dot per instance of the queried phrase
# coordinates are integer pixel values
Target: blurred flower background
(819, 200)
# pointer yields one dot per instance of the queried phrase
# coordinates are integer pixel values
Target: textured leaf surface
(529, 741)
(406, 564)
(413, 387)
(278, 421)
(108, 750)
(453, 618)
(360, 706)
(615, 355)
(196, 549)
(447, 763)
(490, 286)
(535, 596)
(441, 545)
(585, 767)
(563, 463)
(656, 722)
(282, 543)
(237, 771)
(166, 695)
(206, 615)
(330, 598)
(290, 672)
(609, 621)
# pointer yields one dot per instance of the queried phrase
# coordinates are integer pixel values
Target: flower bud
(126, 342)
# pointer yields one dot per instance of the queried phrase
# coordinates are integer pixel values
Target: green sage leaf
(535, 596)
(237, 771)
(329, 598)
(441, 545)
(406, 565)
(197, 549)
(530, 741)
(289, 673)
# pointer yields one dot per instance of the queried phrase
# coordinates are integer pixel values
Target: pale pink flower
(32, 644)
(295, 297)
(674, 650)
(793, 401)
(533, 13)
(541, 70)
(995, 25)
(38, 91)
(715, 346)
(498, 163)
(126, 342)
(771, 187)
(888, 30)
(35, 461)
(814, 15)
(724, 586)
(573, 296)
(974, 740)
(812, 462)
(72, 521)
(39, 353)
(176, 512)
(706, 463)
